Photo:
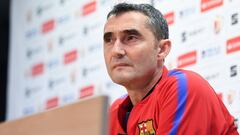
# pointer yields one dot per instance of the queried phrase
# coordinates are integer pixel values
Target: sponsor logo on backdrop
(52, 102)
(187, 59)
(64, 38)
(184, 36)
(90, 69)
(212, 76)
(52, 83)
(233, 45)
(234, 18)
(210, 4)
(48, 26)
(72, 76)
(90, 28)
(231, 96)
(67, 98)
(187, 12)
(210, 52)
(233, 71)
(86, 91)
(89, 8)
(70, 57)
(50, 45)
(63, 19)
(218, 24)
(30, 91)
(53, 63)
(37, 69)
(41, 9)
(33, 51)
(191, 33)
(31, 33)
(170, 17)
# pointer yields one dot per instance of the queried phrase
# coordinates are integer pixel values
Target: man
(159, 102)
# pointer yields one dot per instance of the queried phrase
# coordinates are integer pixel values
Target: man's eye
(131, 37)
(107, 39)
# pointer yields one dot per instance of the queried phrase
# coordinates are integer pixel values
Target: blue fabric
(182, 98)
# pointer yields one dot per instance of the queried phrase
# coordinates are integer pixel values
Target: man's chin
(121, 80)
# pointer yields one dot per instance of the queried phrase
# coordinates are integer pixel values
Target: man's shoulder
(182, 74)
(181, 80)
(187, 81)
(179, 71)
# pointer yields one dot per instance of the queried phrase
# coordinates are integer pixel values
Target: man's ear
(164, 48)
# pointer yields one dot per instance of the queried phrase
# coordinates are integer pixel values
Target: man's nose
(118, 49)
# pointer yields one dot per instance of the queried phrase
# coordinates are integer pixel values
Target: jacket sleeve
(189, 106)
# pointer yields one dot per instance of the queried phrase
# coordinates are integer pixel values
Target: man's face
(130, 49)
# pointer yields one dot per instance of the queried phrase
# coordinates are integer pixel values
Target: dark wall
(4, 40)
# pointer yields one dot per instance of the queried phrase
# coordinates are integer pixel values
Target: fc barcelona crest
(146, 128)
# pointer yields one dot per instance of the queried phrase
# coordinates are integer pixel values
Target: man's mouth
(118, 65)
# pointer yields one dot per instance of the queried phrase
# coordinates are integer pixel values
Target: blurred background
(55, 50)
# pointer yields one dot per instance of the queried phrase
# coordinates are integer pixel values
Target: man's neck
(138, 93)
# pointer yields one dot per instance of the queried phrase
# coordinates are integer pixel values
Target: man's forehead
(126, 21)
(116, 29)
